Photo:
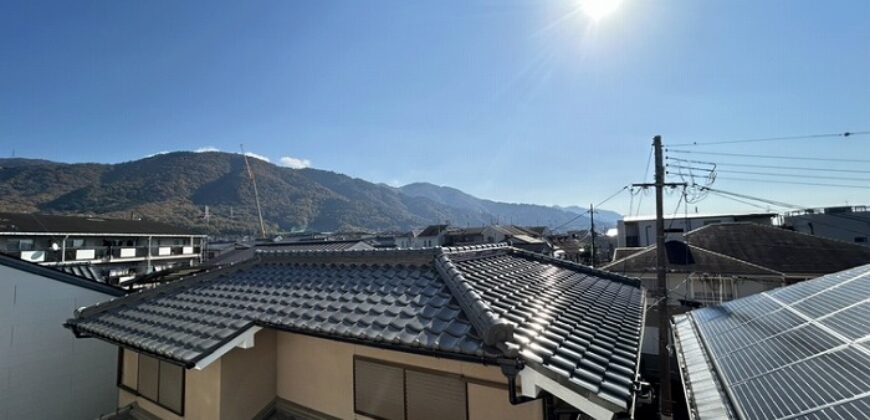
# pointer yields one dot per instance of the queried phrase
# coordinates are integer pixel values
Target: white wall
(45, 372)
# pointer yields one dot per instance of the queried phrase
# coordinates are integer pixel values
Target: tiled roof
(44, 223)
(779, 249)
(582, 326)
(579, 326)
(683, 258)
(433, 230)
(238, 255)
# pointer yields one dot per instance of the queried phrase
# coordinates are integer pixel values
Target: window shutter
(435, 397)
(379, 390)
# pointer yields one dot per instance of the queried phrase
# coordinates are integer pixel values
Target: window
(155, 380)
(861, 239)
(25, 245)
(391, 392)
(712, 289)
(75, 243)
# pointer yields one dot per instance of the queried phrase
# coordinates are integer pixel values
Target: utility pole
(661, 280)
(592, 232)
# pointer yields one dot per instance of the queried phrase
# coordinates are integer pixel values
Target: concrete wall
(318, 374)
(45, 372)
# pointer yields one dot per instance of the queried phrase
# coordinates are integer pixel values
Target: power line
(818, 184)
(579, 215)
(740, 201)
(769, 156)
(782, 204)
(804, 137)
(839, 178)
(747, 165)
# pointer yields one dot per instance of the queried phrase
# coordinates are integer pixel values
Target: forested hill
(176, 187)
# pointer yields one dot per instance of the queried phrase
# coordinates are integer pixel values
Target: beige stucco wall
(201, 397)
(318, 374)
(248, 378)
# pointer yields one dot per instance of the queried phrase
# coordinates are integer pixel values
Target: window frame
(121, 385)
(405, 368)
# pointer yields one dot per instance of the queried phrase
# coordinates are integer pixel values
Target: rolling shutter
(148, 376)
(435, 397)
(379, 390)
(171, 386)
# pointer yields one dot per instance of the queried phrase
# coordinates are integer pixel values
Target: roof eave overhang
(533, 381)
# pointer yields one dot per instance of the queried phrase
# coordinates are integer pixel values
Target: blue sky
(524, 101)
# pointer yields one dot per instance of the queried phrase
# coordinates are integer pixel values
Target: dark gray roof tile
(578, 325)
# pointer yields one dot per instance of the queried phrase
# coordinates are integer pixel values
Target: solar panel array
(798, 352)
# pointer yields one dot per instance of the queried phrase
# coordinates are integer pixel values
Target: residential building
(44, 372)
(721, 262)
(796, 352)
(485, 332)
(466, 236)
(117, 250)
(845, 223)
(640, 231)
(431, 236)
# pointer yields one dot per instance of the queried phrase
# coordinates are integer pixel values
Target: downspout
(510, 368)
(63, 249)
(148, 258)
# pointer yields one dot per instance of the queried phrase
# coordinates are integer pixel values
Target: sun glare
(598, 9)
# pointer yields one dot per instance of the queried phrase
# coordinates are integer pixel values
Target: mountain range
(176, 188)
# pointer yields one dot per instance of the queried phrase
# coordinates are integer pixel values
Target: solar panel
(797, 352)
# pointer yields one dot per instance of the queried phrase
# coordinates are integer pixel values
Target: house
(640, 231)
(844, 223)
(117, 250)
(466, 236)
(44, 372)
(486, 332)
(503, 233)
(794, 352)
(432, 235)
(721, 262)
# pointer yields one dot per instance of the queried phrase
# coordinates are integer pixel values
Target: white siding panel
(45, 372)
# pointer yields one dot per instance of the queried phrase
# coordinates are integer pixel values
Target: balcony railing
(105, 253)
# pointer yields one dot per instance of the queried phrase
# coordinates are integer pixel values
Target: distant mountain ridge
(511, 213)
(176, 187)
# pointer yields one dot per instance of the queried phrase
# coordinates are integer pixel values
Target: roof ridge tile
(493, 330)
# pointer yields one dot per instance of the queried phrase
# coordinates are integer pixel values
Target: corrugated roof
(579, 326)
(799, 351)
